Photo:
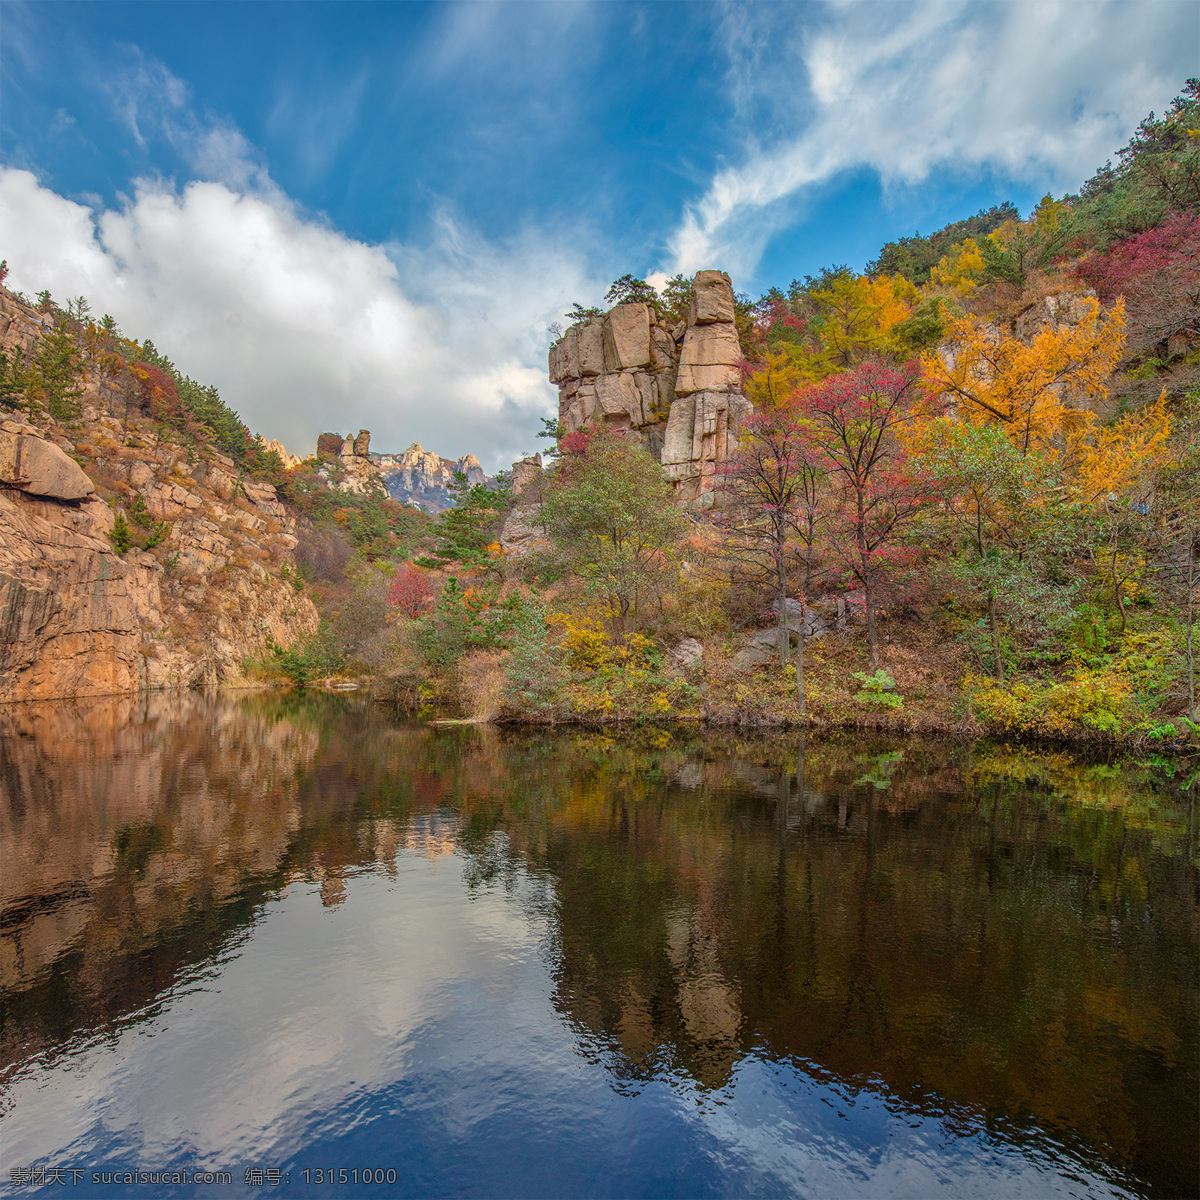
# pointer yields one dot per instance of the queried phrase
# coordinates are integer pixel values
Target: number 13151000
(349, 1175)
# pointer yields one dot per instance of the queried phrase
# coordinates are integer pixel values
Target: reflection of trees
(957, 927)
(1011, 934)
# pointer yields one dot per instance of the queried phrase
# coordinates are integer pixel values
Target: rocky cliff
(210, 584)
(418, 476)
(678, 389)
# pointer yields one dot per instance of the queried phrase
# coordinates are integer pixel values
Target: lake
(279, 938)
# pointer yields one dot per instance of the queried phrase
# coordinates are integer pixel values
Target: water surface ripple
(284, 936)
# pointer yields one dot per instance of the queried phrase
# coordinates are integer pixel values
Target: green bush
(878, 690)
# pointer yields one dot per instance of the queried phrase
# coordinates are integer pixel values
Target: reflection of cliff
(141, 836)
(125, 823)
(998, 934)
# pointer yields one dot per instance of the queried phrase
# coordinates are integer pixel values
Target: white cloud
(303, 328)
(1042, 92)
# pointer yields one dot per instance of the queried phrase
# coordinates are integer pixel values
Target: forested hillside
(966, 497)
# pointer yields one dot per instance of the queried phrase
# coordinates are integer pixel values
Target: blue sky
(369, 215)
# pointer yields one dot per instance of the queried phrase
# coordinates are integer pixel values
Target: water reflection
(999, 941)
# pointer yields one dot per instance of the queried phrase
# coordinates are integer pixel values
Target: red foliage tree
(410, 591)
(156, 392)
(851, 421)
(1158, 273)
(775, 478)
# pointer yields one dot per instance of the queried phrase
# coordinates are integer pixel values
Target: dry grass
(481, 684)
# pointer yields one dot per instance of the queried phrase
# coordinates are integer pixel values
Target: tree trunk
(784, 639)
(995, 636)
(872, 640)
(1191, 623)
(801, 703)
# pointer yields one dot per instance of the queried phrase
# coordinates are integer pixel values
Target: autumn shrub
(359, 619)
(462, 621)
(481, 684)
(322, 553)
(312, 658)
(877, 690)
(1096, 701)
(411, 591)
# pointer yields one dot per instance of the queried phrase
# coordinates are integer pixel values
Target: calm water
(294, 934)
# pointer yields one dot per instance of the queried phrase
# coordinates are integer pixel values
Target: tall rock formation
(678, 390)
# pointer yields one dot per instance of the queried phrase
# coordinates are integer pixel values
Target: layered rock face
(419, 476)
(79, 619)
(523, 530)
(678, 389)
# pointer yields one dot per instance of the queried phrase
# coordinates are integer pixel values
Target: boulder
(712, 298)
(759, 648)
(34, 465)
(620, 396)
(801, 618)
(711, 345)
(591, 347)
(664, 353)
(627, 337)
(686, 656)
(706, 379)
(362, 444)
(677, 444)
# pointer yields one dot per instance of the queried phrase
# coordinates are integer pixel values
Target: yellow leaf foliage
(1039, 391)
(858, 312)
(1110, 459)
(957, 269)
(769, 387)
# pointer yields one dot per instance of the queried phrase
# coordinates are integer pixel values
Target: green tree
(613, 521)
(53, 376)
(628, 290)
(1010, 514)
(464, 532)
(676, 299)
(120, 535)
(12, 379)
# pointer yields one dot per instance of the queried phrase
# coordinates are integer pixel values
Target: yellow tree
(857, 313)
(771, 385)
(1113, 471)
(1040, 390)
(958, 270)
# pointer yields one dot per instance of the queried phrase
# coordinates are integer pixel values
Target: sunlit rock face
(678, 389)
(80, 618)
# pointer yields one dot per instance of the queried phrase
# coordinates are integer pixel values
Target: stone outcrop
(33, 465)
(523, 530)
(677, 390)
(21, 326)
(421, 477)
(356, 470)
(79, 619)
(274, 445)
